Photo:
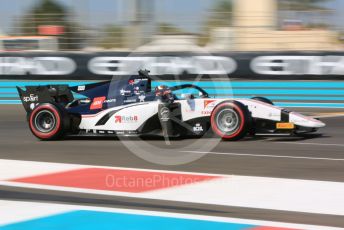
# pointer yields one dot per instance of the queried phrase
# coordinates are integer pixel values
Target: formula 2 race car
(130, 106)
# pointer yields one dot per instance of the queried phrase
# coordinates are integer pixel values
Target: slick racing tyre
(263, 99)
(47, 121)
(230, 120)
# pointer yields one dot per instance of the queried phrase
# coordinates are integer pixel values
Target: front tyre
(230, 120)
(47, 122)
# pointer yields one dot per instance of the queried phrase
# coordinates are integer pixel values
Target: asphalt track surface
(316, 157)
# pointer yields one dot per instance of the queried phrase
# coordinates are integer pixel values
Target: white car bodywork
(131, 117)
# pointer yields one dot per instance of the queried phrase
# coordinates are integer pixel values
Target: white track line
(23, 211)
(267, 156)
(36, 210)
(12, 169)
(293, 195)
(328, 115)
(311, 143)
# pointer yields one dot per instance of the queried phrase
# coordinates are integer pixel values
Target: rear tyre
(263, 99)
(48, 121)
(230, 120)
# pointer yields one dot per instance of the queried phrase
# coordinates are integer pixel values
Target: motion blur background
(295, 47)
(216, 25)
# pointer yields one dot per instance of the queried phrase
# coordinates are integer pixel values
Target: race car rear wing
(33, 95)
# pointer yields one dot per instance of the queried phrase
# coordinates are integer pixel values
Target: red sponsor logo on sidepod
(126, 119)
(207, 102)
(97, 103)
(206, 106)
(118, 119)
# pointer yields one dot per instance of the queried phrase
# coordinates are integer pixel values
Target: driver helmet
(162, 90)
(164, 93)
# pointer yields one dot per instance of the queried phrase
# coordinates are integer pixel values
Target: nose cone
(305, 121)
(320, 124)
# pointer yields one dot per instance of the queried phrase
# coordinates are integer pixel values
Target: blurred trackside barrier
(319, 94)
(304, 79)
(173, 65)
